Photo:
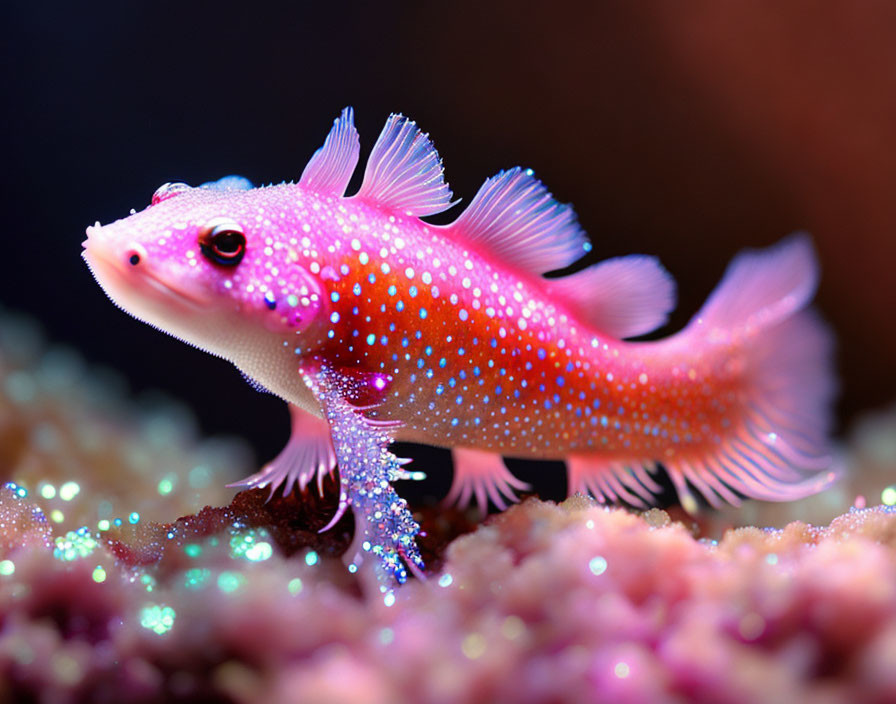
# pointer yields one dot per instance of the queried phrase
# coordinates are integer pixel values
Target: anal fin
(482, 475)
(611, 480)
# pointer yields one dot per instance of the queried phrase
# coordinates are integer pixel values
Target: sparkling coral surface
(244, 601)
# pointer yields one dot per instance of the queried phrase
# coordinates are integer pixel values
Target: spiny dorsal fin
(404, 171)
(623, 297)
(330, 169)
(516, 218)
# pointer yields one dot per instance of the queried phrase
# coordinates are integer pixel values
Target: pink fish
(375, 326)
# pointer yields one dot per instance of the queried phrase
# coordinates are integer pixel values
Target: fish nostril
(134, 259)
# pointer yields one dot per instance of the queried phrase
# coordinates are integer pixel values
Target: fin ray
(332, 166)
(404, 171)
(515, 217)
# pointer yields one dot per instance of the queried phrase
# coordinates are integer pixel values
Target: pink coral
(542, 603)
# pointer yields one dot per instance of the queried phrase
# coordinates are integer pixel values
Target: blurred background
(684, 130)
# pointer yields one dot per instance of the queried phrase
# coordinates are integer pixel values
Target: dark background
(685, 130)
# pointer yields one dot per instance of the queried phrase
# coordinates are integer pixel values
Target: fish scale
(375, 326)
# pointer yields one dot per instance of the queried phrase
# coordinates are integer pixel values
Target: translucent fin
(515, 217)
(622, 297)
(778, 450)
(483, 475)
(761, 287)
(308, 454)
(229, 183)
(404, 171)
(332, 166)
(608, 480)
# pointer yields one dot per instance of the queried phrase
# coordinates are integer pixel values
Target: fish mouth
(121, 283)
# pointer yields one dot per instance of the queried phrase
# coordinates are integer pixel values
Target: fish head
(213, 265)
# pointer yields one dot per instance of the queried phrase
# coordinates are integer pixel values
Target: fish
(376, 325)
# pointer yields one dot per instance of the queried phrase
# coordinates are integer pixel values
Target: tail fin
(780, 450)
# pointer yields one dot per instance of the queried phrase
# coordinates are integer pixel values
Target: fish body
(375, 325)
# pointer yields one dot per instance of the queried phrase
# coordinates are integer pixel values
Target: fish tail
(782, 353)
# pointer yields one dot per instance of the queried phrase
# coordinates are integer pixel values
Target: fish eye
(222, 242)
(168, 190)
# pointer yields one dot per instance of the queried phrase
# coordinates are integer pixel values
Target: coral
(244, 601)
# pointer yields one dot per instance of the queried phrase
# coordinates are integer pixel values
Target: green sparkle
(99, 574)
(196, 578)
(157, 618)
(294, 586)
(888, 496)
(134, 518)
(311, 558)
(292, 300)
(166, 485)
(103, 525)
(193, 550)
(7, 567)
(249, 547)
(230, 581)
(74, 544)
(48, 491)
(69, 491)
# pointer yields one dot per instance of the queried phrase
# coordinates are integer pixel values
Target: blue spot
(443, 362)
(392, 290)
(498, 390)
(412, 291)
(452, 382)
(428, 350)
(460, 351)
(475, 371)
(547, 404)
(356, 289)
(560, 381)
(541, 353)
(459, 400)
(371, 338)
(399, 306)
(423, 313)
(596, 403)
(334, 296)
(420, 364)
(270, 301)
(372, 278)
(440, 390)
(454, 421)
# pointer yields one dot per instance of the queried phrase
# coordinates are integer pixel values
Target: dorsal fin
(331, 167)
(404, 171)
(515, 217)
(623, 297)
